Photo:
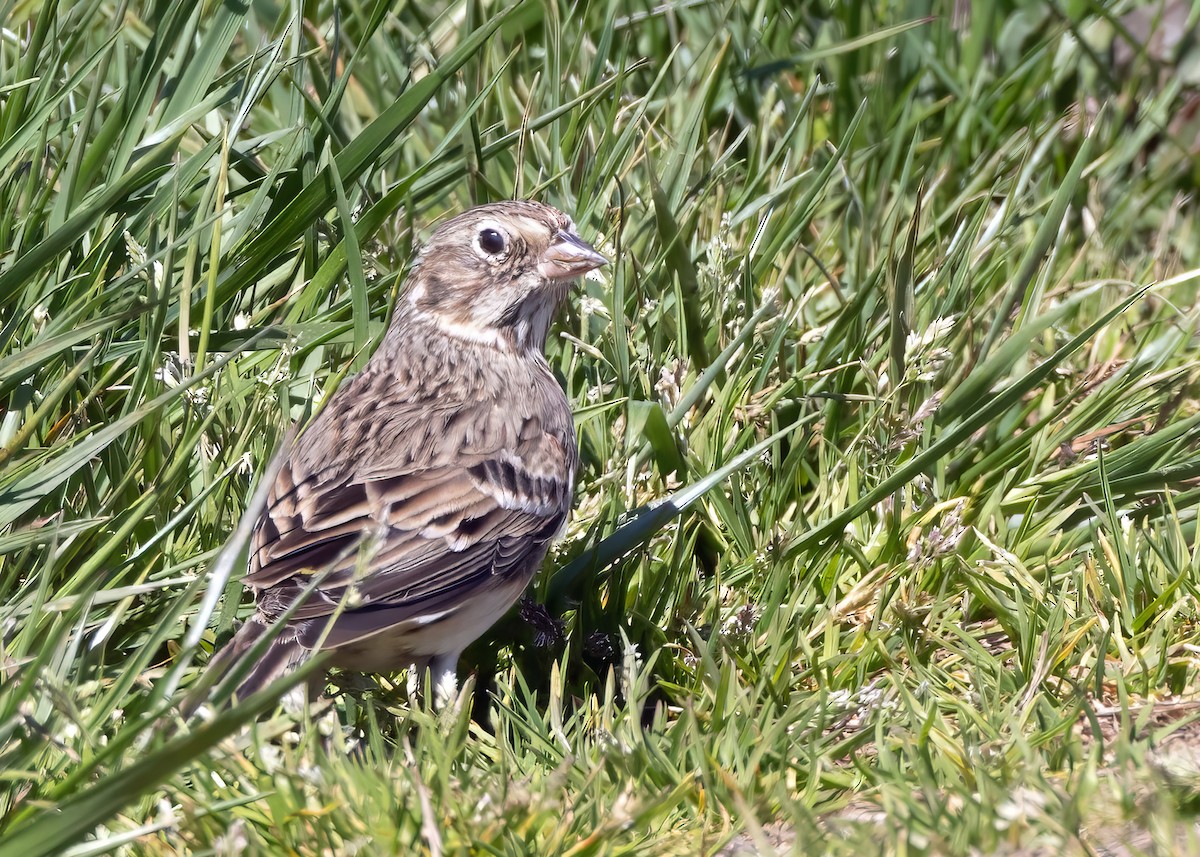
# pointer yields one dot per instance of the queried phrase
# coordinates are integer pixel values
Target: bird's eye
(491, 241)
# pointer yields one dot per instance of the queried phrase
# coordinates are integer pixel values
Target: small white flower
(631, 668)
(624, 808)
(166, 813)
(233, 841)
(870, 695)
(328, 724)
(137, 253)
(814, 334)
(668, 384)
(589, 306)
(741, 624)
(269, 756)
(839, 698)
(920, 341)
(483, 809)
(1022, 805)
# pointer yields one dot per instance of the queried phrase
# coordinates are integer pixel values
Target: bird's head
(497, 273)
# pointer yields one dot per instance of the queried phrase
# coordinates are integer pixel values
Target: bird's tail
(283, 653)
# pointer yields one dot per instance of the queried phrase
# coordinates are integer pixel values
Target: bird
(418, 505)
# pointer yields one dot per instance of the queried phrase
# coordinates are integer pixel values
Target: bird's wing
(410, 538)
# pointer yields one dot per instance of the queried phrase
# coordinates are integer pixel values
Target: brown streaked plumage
(426, 493)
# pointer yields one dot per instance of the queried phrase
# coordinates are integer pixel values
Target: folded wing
(429, 535)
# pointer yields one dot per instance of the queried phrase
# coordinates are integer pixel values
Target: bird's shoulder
(412, 411)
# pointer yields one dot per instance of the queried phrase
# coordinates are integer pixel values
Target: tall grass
(885, 534)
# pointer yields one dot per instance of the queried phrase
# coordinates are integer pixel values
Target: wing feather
(430, 534)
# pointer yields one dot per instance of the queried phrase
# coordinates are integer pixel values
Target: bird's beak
(568, 257)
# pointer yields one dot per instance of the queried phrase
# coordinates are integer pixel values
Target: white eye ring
(491, 241)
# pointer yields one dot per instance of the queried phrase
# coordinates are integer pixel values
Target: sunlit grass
(885, 529)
